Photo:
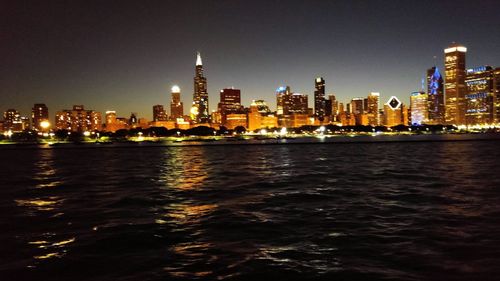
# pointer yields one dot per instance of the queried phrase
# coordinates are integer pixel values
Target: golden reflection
(55, 249)
(47, 204)
(184, 274)
(184, 172)
(186, 168)
(44, 170)
(188, 214)
(191, 249)
(48, 256)
(64, 242)
(42, 242)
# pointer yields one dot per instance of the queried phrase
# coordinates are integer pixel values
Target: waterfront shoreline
(252, 140)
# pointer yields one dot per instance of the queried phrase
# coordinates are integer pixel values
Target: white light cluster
(176, 89)
(454, 49)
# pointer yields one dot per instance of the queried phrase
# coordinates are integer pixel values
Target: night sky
(125, 56)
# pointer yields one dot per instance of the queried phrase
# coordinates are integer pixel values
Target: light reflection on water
(46, 204)
(360, 211)
(186, 171)
(45, 173)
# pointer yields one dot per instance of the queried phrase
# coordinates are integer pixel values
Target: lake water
(334, 211)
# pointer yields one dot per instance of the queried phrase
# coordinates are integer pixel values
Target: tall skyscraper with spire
(199, 110)
(455, 88)
(435, 96)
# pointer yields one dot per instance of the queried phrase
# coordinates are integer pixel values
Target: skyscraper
(78, 119)
(357, 105)
(199, 110)
(114, 123)
(372, 109)
(176, 106)
(394, 112)
(319, 98)
(332, 110)
(12, 121)
(419, 108)
(230, 103)
(159, 113)
(298, 103)
(260, 116)
(133, 120)
(39, 114)
(435, 95)
(480, 96)
(283, 100)
(455, 88)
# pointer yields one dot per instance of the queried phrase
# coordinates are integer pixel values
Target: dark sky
(126, 55)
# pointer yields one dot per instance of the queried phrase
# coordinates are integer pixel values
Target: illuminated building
(299, 120)
(435, 95)
(78, 120)
(419, 108)
(357, 105)
(328, 107)
(199, 110)
(176, 106)
(496, 101)
(361, 119)
(159, 113)
(283, 100)
(347, 119)
(372, 109)
(269, 121)
(110, 117)
(455, 88)
(394, 112)
(95, 120)
(132, 121)
(182, 124)
(299, 104)
(289, 103)
(169, 124)
(261, 107)
(113, 123)
(216, 117)
(234, 120)
(319, 98)
(406, 115)
(122, 122)
(357, 111)
(480, 96)
(331, 108)
(230, 102)
(25, 123)
(260, 117)
(39, 114)
(13, 121)
(254, 117)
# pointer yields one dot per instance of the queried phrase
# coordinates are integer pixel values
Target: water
(354, 211)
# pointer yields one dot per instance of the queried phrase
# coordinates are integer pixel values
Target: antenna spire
(198, 59)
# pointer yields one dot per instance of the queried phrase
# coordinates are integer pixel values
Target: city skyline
(319, 83)
(126, 75)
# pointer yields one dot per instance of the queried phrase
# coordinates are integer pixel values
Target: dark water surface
(358, 211)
